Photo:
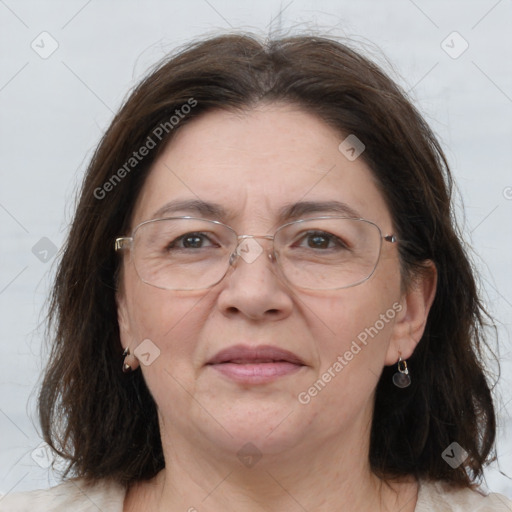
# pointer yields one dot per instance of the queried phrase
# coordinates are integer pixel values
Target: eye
(193, 240)
(322, 240)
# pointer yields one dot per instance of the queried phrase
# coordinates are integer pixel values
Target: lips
(244, 355)
(250, 366)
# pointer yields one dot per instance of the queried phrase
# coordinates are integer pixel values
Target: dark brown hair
(104, 423)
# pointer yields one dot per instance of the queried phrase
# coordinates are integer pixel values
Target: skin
(313, 456)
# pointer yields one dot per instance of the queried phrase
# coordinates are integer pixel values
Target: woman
(264, 303)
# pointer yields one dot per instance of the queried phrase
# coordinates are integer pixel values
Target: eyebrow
(290, 211)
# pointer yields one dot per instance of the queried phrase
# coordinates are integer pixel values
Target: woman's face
(253, 164)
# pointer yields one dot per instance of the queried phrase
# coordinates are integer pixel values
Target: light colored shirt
(76, 496)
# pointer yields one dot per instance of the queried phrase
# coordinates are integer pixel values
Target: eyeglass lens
(192, 254)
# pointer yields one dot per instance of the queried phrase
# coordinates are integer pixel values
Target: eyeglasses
(188, 253)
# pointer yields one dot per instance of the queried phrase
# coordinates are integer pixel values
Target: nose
(253, 286)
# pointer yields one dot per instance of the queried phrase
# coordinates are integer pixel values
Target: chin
(271, 429)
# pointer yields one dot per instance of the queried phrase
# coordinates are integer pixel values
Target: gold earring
(402, 379)
(128, 361)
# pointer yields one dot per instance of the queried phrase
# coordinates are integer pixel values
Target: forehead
(254, 164)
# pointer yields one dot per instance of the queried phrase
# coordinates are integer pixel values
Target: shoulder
(74, 494)
(441, 497)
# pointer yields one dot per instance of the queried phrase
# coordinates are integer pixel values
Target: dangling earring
(402, 379)
(129, 361)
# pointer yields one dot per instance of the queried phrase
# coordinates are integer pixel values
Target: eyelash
(302, 237)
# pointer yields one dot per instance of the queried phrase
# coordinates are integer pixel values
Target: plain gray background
(55, 106)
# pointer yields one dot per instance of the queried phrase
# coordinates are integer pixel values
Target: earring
(402, 379)
(129, 361)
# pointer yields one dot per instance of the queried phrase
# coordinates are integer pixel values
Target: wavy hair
(104, 423)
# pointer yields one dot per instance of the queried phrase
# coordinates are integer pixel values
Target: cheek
(351, 341)
(352, 332)
(172, 324)
(170, 320)
(355, 314)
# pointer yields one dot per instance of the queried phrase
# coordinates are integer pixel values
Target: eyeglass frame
(121, 243)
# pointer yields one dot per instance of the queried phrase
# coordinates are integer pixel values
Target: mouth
(255, 365)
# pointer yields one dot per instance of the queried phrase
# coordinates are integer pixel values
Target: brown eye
(322, 240)
(190, 241)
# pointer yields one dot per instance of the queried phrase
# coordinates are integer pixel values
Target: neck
(331, 475)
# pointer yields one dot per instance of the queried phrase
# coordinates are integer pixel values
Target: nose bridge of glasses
(242, 238)
(249, 249)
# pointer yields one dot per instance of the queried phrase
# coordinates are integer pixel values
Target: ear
(125, 331)
(123, 320)
(411, 320)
